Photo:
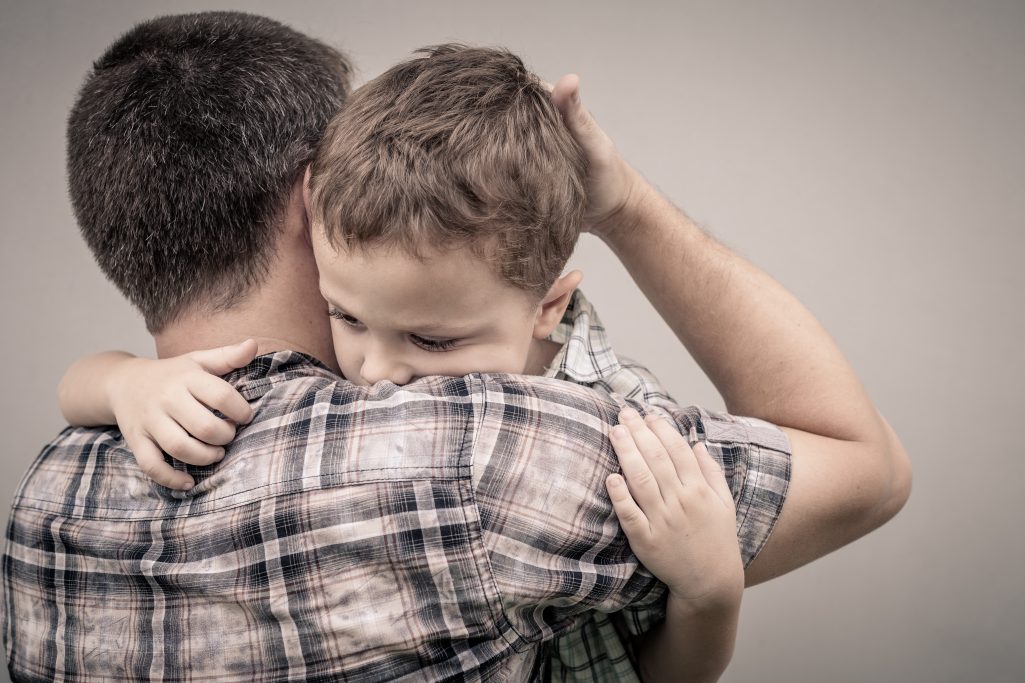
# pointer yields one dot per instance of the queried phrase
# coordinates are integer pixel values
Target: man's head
(184, 146)
(456, 159)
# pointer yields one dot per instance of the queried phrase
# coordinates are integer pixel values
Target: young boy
(445, 199)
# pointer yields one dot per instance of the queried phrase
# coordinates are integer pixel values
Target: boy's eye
(433, 344)
(344, 317)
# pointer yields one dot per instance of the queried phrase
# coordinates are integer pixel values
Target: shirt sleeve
(755, 456)
(557, 554)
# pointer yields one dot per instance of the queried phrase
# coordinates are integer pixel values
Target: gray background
(871, 155)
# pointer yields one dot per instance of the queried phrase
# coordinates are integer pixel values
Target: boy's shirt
(598, 649)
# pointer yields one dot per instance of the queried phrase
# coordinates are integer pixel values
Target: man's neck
(286, 312)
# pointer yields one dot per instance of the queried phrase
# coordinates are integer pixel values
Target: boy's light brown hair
(461, 146)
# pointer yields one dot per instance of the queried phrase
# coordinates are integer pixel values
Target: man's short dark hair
(458, 146)
(183, 146)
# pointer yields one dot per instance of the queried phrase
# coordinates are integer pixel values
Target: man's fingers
(153, 465)
(217, 394)
(224, 359)
(566, 96)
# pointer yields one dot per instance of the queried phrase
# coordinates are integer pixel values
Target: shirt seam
(507, 625)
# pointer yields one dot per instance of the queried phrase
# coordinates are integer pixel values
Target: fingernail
(187, 485)
(619, 431)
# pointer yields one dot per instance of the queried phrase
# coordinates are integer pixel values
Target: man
(447, 529)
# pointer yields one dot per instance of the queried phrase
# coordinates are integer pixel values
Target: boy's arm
(160, 405)
(677, 510)
(765, 353)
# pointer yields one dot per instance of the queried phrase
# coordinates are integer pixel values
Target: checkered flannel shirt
(598, 648)
(449, 529)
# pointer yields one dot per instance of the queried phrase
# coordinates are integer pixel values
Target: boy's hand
(612, 184)
(165, 405)
(677, 511)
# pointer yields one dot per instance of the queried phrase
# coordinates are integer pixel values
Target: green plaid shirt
(450, 529)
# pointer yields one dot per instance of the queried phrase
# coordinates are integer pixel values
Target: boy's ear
(554, 303)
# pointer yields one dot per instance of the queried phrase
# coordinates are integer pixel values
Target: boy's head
(450, 177)
(184, 147)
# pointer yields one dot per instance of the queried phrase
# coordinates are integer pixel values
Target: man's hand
(611, 183)
(763, 350)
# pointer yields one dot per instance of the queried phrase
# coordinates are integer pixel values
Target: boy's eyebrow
(444, 329)
(426, 328)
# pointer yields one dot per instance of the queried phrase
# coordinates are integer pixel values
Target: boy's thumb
(224, 359)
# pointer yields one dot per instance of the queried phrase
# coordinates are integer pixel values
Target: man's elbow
(883, 484)
(899, 489)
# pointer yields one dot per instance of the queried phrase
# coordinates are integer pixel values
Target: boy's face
(395, 317)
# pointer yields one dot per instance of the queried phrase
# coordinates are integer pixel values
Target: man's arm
(765, 352)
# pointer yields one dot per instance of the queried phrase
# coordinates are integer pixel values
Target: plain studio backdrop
(869, 155)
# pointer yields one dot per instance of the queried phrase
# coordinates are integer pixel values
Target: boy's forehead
(441, 288)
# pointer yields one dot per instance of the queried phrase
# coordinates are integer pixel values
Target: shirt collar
(271, 369)
(586, 355)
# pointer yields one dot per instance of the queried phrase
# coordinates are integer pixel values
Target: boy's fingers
(218, 395)
(655, 454)
(687, 467)
(196, 419)
(631, 517)
(639, 479)
(713, 473)
(176, 442)
(153, 465)
(224, 359)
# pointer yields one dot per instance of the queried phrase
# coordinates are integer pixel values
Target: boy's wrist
(722, 595)
(723, 601)
(115, 383)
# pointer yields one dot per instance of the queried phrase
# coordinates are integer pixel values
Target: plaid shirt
(449, 529)
(598, 647)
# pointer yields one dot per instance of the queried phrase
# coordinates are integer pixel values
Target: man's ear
(554, 303)
(306, 189)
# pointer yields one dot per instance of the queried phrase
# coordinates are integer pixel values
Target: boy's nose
(377, 369)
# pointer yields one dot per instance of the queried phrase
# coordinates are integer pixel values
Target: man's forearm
(769, 358)
(765, 352)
